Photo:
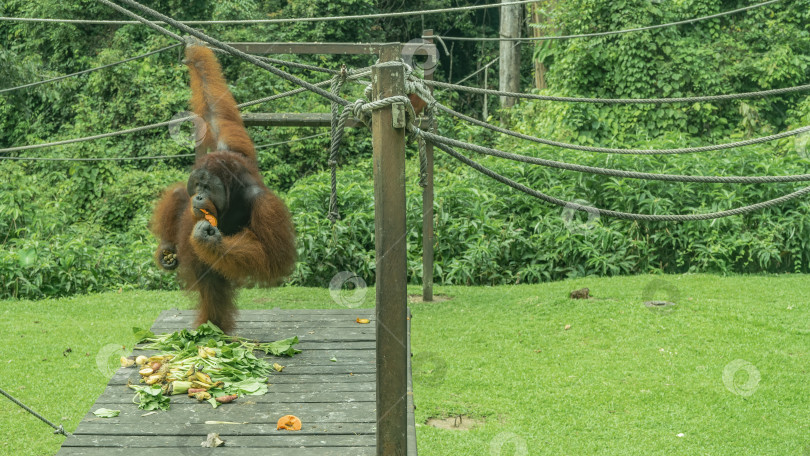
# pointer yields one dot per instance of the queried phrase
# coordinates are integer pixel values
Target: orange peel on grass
(289, 423)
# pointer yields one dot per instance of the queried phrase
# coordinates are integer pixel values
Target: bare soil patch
(455, 423)
(436, 298)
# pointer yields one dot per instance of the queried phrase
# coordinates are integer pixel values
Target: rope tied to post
(416, 86)
(338, 127)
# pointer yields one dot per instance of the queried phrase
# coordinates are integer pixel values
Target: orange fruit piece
(211, 219)
(362, 321)
(289, 423)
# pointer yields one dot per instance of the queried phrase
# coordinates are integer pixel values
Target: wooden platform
(335, 400)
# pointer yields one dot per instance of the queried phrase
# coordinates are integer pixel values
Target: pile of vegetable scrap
(206, 364)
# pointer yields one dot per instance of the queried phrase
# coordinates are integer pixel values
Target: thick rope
(614, 32)
(608, 150)
(162, 124)
(423, 165)
(95, 159)
(58, 429)
(530, 96)
(59, 78)
(282, 20)
(610, 171)
(221, 45)
(338, 126)
(609, 213)
(153, 157)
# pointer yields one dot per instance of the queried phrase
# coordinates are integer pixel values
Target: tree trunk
(539, 68)
(510, 52)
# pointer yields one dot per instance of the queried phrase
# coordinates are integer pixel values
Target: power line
(281, 20)
(613, 32)
(34, 84)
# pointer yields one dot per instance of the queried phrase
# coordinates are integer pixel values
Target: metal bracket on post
(398, 112)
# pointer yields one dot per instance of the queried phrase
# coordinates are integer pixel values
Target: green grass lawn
(624, 379)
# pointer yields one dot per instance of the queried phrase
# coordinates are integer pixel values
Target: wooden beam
(388, 140)
(319, 48)
(308, 48)
(427, 204)
(292, 119)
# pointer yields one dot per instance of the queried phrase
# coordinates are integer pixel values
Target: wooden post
(388, 140)
(485, 115)
(427, 201)
(510, 52)
(539, 68)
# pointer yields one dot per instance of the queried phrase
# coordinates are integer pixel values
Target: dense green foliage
(70, 227)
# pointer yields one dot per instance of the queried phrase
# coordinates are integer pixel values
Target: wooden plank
(184, 317)
(308, 48)
(222, 451)
(388, 140)
(322, 412)
(228, 429)
(318, 48)
(333, 335)
(293, 119)
(283, 439)
(271, 323)
(293, 378)
(265, 313)
(335, 386)
(335, 400)
(331, 345)
(281, 326)
(123, 395)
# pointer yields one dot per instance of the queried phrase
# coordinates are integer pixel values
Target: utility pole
(510, 52)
